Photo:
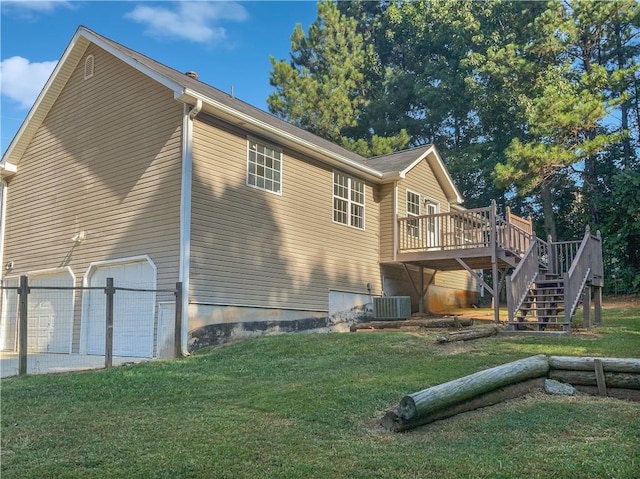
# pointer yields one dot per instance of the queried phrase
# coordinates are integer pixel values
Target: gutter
(185, 214)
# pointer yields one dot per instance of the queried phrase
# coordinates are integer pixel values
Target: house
(126, 168)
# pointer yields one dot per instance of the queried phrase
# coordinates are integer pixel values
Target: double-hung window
(348, 200)
(413, 209)
(264, 166)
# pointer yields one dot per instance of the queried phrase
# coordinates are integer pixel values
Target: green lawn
(306, 406)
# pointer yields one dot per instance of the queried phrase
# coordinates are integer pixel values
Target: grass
(306, 406)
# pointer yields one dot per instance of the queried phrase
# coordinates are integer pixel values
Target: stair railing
(520, 281)
(586, 262)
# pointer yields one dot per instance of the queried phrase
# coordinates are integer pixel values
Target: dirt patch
(628, 301)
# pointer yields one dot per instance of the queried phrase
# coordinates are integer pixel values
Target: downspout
(395, 220)
(185, 214)
(3, 215)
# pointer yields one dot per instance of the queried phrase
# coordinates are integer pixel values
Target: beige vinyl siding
(461, 280)
(386, 195)
(255, 248)
(420, 179)
(107, 161)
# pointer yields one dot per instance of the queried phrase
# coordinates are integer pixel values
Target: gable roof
(401, 162)
(193, 92)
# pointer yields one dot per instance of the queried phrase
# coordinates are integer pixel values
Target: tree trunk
(421, 323)
(547, 210)
(468, 334)
(429, 401)
(624, 106)
(393, 422)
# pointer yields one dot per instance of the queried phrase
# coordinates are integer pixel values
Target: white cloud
(194, 21)
(34, 6)
(22, 80)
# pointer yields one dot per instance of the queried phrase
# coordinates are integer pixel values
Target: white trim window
(348, 200)
(413, 209)
(264, 166)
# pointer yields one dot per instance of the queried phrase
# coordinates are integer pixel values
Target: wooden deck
(479, 238)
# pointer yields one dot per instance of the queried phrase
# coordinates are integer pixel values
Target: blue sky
(227, 43)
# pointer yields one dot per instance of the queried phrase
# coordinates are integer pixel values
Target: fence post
(108, 345)
(177, 336)
(23, 309)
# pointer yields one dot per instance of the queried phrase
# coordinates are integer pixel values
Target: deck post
(510, 306)
(494, 263)
(586, 308)
(551, 268)
(422, 291)
(597, 306)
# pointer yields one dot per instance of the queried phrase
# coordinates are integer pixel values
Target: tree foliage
(534, 104)
(324, 88)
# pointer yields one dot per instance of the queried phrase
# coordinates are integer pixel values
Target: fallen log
(394, 422)
(434, 399)
(420, 323)
(467, 334)
(614, 365)
(588, 378)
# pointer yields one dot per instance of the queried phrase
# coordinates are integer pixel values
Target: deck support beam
(476, 276)
(420, 293)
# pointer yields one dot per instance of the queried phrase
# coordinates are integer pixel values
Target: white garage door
(50, 313)
(9, 326)
(133, 312)
(49, 317)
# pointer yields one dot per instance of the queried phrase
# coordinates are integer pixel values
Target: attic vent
(193, 75)
(88, 67)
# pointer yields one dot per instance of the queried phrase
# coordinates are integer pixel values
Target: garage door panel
(133, 311)
(50, 313)
(9, 327)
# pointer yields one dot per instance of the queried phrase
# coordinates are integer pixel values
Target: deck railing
(463, 229)
(512, 238)
(520, 281)
(586, 264)
(562, 254)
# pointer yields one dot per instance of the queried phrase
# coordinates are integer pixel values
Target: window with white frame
(413, 209)
(348, 200)
(264, 166)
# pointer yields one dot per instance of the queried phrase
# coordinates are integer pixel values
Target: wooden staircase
(551, 280)
(544, 306)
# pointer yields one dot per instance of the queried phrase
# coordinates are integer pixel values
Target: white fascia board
(190, 96)
(36, 106)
